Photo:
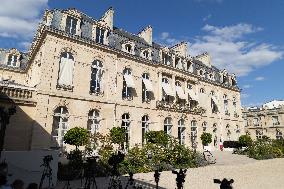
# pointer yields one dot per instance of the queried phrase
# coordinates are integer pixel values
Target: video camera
(224, 184)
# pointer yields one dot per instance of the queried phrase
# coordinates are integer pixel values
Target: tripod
(89, 172)
(47, 172)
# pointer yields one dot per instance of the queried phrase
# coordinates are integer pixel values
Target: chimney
(146, 34)
(180, 48)
(107, 18)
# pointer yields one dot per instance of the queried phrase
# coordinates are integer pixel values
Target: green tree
(157, 137)
(245, 140)
(206, 138)
(118, 135)
(76, 136)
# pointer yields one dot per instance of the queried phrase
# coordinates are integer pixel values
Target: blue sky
(245, 37)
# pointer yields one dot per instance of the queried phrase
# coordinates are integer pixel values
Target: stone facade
(87, 73)
(267, 120)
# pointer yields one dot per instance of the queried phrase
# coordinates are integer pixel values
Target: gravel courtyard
(247, 173)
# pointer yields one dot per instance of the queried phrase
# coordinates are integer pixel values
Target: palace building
(87, 73)
(267, 120)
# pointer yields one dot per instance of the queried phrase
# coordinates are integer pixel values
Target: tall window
(256, 121)
(193, 134)
(168, 125)
(100, 35)
(204, 126)
(12, 60)
(180, 96)
(127, 84)
(275, 120)
(66, 65)
(238, 131)
(125, 123)
(215, 134)
(181, 131)
(166, 90)
(228, 132)
(202, 91)
(279, 134)
(226, 105)
(93, 121)
(258, 134)
(145, 127)
(146, 85)
(60, 124)
(96, 77)
(189, 67)
(71, 24)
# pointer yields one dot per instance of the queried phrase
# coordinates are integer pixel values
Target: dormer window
(100, 35)
(202, 91)
(189, 67)
(166, 59)
(12, 60)
(146, 54)
(128, 48)
(71, 24)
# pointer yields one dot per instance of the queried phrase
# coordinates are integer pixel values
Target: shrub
(206, 138)
(76, 136)
(157, 137)
(245, 140)
(118, 135)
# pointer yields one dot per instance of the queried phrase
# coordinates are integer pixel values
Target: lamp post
(4, 121)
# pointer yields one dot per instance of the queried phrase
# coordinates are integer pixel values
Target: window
(204, 126)
(93, 121)
(60, 125)
(146, 88)
(275, 120)
(12, 60)
(214, 106)
(181, 131)
(189, 67)
(125, 123)
(168, 125)
(71, 24)
(201, 73)
(258, 134)
(100, 35)
(96, 77)
(215, 128)
(235, 108)
(279, 134)
(178, 63)
(228, 132)
(180, 95)
(193, 135)
(256, 121)
(128, 48)
(167, 91)
(145, 54)
(65, 76)
(226, 105)
(202, 91)
(128, 84)
(238, 131)
(145, 127)
(166, 59)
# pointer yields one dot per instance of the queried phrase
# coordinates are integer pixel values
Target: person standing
(221, 144)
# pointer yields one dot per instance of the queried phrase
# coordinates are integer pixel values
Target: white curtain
(66, 72)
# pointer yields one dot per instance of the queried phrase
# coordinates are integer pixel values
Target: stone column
(63, 22)
(78, 28)
(159, 83)
(105, 37)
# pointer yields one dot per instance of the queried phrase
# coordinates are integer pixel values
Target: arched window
(193, 134)
(147, 87)
(204, 126)
(128, 48)
(226, 105)
(215, 134)
(60, 124)
(65, 75)
(145, 127)
(215, 128)
(168, 125)
(279, 134)
(93, 121)
(128, 84)
(228, 132)
(202, 91)
(146, 54)
(125, 123)
(181, 131)
(258, 134)
(96, 77)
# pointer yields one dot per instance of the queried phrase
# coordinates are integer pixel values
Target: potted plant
(206, 139)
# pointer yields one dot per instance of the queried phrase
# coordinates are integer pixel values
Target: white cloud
(229, 50)
(19, 18)
(166, 39)
(260, 78)
(247, 86)
(244, 95)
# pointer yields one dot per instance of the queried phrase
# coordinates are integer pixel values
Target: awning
(148, 84)
(180, 93)
(192, 95)
(129, 81)
(168, 90)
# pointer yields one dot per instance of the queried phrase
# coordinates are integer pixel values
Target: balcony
(184, 108)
